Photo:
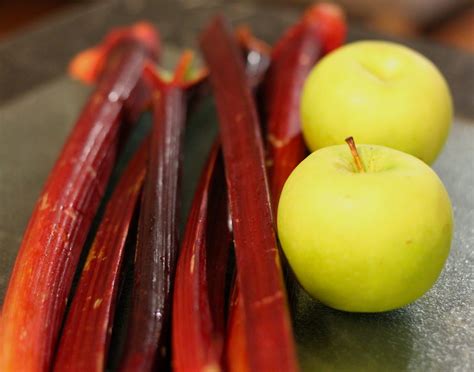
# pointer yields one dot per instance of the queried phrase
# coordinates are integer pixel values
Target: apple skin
(380, 93)
(365, 242)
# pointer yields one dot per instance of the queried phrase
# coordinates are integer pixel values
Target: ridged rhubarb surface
(148, 336)
(36, 297)
(199, 294)
(199, 298)
(84, 341)
(268, 334)
(321, 29)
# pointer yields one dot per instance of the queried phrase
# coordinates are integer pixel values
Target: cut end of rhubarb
(184, 75)
(183, 68)
(331, 23)
(84, 65)
(147, 34)
(87, 65)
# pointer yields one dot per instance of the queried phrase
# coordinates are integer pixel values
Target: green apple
(365, 241)
(380, 93)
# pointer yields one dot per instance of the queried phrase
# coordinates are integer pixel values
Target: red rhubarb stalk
(36, 297)
(268, 334)
(321, 29)
(84, 341)
(198, 306)
(148, 334)
(87, 66)
(236, 348)
(257, 59)
(199, 295)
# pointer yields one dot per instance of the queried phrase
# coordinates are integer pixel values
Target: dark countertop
(38, 104)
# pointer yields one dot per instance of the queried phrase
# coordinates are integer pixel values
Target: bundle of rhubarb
(191, 307)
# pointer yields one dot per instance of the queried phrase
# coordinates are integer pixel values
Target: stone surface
(38, 105)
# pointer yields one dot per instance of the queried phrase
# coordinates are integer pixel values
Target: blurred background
(445, 21)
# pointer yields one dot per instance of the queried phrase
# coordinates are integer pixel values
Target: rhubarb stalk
(199, 296)
(36, 297)
(84, 341)
(148, 334)
(198, 307)
(321, 29)
(268, 334)
(87, 65)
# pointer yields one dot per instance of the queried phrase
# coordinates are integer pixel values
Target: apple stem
(355, 154)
